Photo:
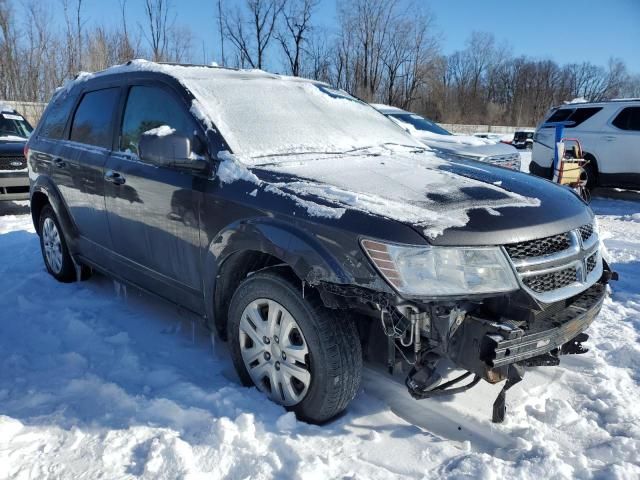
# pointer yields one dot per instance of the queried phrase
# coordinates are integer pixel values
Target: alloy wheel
(52, 245)
(275, 352)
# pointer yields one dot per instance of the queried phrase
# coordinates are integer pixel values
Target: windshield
(420, 123)
(13, 125)
(263, 116)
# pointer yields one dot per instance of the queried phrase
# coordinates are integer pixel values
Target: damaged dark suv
(311, 232)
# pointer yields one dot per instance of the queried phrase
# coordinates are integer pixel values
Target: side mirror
(165, 148)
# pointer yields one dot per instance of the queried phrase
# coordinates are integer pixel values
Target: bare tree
(292, 34)
(158, 24)
(250, 30)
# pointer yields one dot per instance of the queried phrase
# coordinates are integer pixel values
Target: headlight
(440, 271)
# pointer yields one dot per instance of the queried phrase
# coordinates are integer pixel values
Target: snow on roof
(300, 115)
(6, 108)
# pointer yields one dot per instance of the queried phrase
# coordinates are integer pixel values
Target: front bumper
(14, 185)
(485, 346)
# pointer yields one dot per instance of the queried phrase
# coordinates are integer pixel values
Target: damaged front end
(562, 286)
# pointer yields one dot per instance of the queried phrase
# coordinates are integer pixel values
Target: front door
(152, 210)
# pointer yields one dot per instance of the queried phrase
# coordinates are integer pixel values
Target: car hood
(466, 145)
(450, 202)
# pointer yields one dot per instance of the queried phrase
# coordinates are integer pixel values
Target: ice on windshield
(298, 117)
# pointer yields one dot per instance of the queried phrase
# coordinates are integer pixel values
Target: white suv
(609, 133)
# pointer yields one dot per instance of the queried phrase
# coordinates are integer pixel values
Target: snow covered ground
(97, 382)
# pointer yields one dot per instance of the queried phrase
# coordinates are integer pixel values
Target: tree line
(386, 51)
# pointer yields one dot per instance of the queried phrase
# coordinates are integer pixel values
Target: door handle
(59, 163)
(609, 138)
(114, 177)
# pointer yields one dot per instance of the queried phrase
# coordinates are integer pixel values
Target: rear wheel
(297, 352)
(591, 173)
(54, 247)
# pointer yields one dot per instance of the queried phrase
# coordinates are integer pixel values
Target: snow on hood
(407, 187)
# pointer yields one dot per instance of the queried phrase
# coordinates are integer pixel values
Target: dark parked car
(523, 138)
(311, 232)
(14, 131)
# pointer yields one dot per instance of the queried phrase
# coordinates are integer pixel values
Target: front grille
(591, 262)
(555, 267)
(551, 281)
(6, 163)
(586, 231)
(540, 247)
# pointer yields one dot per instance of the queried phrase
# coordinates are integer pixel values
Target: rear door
(623, 141)
(77, 168)
(152, 210)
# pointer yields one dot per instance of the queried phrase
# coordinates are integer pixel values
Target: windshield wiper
(415, 148)
(296, 154)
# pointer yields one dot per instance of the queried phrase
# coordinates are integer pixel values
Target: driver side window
(149, 108)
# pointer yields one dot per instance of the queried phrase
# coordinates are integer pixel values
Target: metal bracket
(515, 373)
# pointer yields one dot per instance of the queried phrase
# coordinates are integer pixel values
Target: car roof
(181, 71)
(387, 109)
(599, 104)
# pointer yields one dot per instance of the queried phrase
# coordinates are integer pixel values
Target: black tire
(66, 272)
(335, 354)
(591, 172)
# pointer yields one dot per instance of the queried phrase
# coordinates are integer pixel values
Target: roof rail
(179, 64)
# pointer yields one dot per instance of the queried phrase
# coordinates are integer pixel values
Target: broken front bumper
(487, 347)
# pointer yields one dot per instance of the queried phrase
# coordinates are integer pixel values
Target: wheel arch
(44, 192)
(250, 246)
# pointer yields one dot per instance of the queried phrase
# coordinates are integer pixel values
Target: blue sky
(563, 30)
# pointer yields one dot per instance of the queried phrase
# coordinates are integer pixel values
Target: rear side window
(575, 115)
(148, 108)
(92, 121)
(560, 115)
(55, 120)
(628, 119)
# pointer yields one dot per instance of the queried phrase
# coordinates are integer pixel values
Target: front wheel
(297, 352)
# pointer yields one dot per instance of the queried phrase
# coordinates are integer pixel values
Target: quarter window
(92, 121)
(628, 119)
(575, 115)
(148, 108)
(55, 119)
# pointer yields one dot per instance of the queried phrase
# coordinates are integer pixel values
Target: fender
(46, 186)
(306, 256)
